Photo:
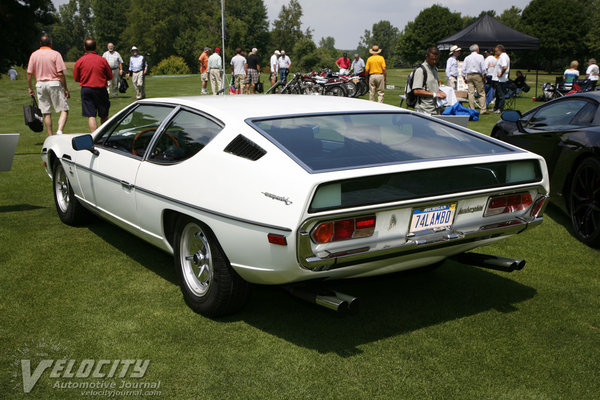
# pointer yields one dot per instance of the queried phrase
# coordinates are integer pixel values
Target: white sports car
(287, 189)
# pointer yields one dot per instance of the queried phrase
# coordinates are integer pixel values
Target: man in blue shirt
(138, 69)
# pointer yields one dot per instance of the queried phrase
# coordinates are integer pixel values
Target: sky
(347, 20)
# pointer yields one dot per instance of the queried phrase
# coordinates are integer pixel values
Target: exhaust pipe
(330, 299)
(503, 264)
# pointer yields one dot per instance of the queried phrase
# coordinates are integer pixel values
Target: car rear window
(354, 140)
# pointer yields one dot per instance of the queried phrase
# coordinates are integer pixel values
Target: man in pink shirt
(49, 69)
(93, 74)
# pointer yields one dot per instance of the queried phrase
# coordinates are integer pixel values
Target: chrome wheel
(62, 189)
(196, 259)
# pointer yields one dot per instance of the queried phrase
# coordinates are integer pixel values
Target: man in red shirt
(343, 64)
(93, 73)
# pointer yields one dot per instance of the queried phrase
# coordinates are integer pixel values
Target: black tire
(337, 90)
(69, 210)
(363, 88)
(584, 202)
(209, 285)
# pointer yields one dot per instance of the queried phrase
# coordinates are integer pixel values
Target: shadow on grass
(139, 250)
(390, 305)
(19, 207)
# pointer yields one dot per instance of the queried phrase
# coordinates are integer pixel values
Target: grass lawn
(458, 332)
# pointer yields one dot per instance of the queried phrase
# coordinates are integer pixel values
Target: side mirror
(513, 116)
(84, 142)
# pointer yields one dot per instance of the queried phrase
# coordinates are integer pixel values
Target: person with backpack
(426, 83)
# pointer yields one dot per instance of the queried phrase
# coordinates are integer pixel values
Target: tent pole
(537, 71)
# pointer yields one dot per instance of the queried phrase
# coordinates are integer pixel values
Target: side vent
(244, 147)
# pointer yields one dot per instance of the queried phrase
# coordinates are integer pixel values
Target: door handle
(126, 185)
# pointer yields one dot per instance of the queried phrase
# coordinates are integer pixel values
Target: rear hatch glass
(356, 140)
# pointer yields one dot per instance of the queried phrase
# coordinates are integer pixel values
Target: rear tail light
(344, 229)
(508, 204)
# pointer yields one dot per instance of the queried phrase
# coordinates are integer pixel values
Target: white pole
(225, 91)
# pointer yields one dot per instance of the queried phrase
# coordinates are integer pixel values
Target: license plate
(438, 217)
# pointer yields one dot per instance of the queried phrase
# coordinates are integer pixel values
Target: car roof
(241, 107)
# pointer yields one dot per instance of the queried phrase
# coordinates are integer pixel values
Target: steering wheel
(137, 136)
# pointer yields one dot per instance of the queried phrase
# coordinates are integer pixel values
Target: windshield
(341, 141)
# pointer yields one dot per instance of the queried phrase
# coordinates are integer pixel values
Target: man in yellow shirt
(376, 73)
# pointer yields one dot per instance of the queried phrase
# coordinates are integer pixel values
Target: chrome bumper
(437, 240)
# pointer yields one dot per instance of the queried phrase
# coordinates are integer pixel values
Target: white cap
(276, 52)
(134, 48)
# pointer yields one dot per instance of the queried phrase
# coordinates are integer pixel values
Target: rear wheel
(584, 200)
(208, 283)
(69, 210)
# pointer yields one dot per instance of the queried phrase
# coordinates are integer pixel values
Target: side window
(185, 136)
(557, 116)
(133, 133)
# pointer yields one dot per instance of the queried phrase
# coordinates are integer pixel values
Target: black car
(566, 132)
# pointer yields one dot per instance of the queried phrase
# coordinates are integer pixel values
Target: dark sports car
(566, 132)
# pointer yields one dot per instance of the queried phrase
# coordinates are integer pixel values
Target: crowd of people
(98, 76)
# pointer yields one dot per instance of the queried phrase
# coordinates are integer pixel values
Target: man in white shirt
(115, 62)
(592, 73)
(474, 74)
(274, 66)
(452, 67)
(284, 63)
(239, 68)
(500, 77)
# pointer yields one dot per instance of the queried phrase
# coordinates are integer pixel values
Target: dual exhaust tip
(343, 303)
(324, 297)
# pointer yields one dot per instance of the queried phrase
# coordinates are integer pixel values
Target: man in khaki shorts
(49, 69)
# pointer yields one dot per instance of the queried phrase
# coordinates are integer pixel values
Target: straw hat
(454, 48)
(375, 49)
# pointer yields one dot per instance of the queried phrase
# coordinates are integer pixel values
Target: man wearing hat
(452, 66)
(376, 73)
(204, 69)
(274, 66)
(215, 71)
(138, 68)
(284, 64)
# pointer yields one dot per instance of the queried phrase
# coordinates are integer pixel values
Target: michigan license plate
(439, 217)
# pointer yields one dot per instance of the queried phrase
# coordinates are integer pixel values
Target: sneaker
(497, 112)
(204, 91)
(59, 132)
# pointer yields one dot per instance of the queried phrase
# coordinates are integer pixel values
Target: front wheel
(584, 200)
(69, 210)
(208, 283)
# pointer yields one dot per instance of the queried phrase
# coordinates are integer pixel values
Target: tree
(109, 22)
(511, 18)
(21, 25)
(287, 28)
(560, 32)
(73, 28)
(385, 35)
(432, 24)
(327, 43)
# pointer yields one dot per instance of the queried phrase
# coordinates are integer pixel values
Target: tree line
(162, 28)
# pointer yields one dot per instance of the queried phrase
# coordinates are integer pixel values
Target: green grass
(458, 332)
